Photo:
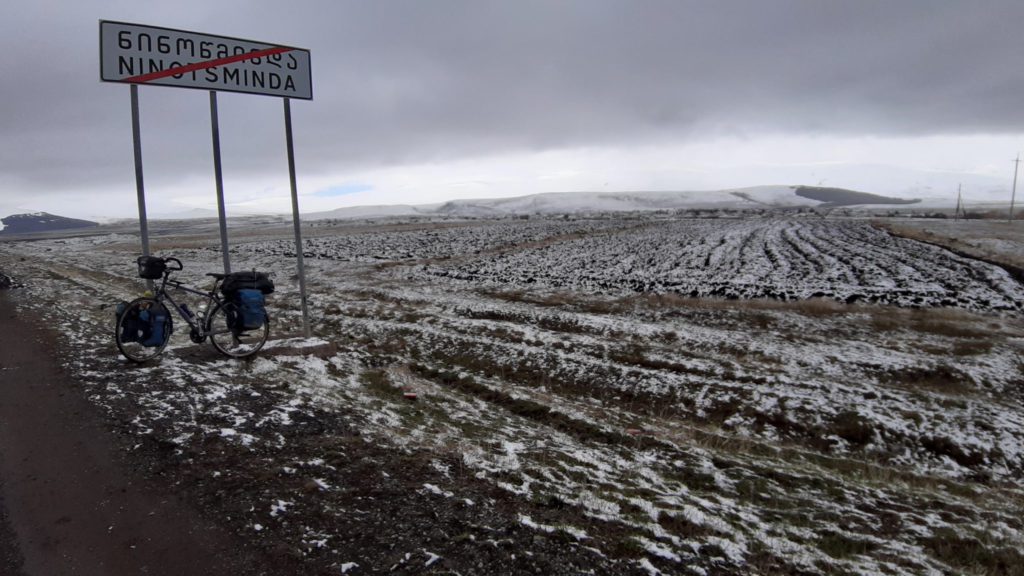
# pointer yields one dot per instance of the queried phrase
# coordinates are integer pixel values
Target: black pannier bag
(130, 325)
(151, 267)
(149, 327)
(246, 281)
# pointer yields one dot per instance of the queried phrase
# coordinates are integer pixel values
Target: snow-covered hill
(40, 222)
(191, 214)
(781, 197)
(357, 212)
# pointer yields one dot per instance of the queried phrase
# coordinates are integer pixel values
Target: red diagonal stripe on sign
(207, 64)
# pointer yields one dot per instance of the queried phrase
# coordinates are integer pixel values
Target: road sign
(138, 54)
(135, 54)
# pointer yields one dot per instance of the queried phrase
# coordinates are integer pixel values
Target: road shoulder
(72, 502)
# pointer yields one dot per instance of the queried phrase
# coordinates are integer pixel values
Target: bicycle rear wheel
(229, 338)
(143, 329)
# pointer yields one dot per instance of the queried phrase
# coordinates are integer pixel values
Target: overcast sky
(422, 101)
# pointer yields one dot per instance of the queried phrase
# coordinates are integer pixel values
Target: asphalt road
(70, 501)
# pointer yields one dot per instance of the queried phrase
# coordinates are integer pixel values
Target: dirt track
(70, 502)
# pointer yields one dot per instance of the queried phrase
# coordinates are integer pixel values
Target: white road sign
(137, 54)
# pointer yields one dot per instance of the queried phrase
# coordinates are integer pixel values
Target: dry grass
(377, 380)
(866, 470)
(840, 546)
(972, 556)
(972, 347)
(528, 408)
(957, 334)
(933, 233)
(941, 378)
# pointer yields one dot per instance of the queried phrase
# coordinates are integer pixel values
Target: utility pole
(956, 215)
(1013, 195)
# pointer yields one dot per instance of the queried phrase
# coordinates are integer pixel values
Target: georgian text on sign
(133, 53)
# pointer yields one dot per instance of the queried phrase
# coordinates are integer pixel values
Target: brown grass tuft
(971, 555)
(940, 378)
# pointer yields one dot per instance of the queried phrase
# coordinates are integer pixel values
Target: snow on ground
(991, 239)
(555, 361)
(776, 258)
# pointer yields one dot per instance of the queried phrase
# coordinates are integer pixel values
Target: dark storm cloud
(419, 81)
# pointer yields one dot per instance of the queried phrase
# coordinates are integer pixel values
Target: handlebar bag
(151, 267)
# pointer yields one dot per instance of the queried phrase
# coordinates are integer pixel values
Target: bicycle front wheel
(143, 329)
(229, 337)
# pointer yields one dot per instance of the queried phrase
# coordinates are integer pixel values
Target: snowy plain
(641, 394)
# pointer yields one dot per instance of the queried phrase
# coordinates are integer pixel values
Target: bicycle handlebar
(172, 259)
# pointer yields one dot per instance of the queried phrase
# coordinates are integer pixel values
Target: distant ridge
(836, 197)
(35, 222)
(770, 197)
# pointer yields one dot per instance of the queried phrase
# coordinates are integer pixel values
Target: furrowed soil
(80, 498)
(606, 395)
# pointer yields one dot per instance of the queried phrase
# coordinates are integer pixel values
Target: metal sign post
(140, 188)
(289, 143)
(219, 175)
(137, 54)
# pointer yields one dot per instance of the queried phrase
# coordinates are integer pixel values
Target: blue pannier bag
(154, 327)
(252, 312)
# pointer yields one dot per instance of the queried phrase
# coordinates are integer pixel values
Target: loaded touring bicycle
(233, 315)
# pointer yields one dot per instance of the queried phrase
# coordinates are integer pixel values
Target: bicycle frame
(195, 322)
(222, 322)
